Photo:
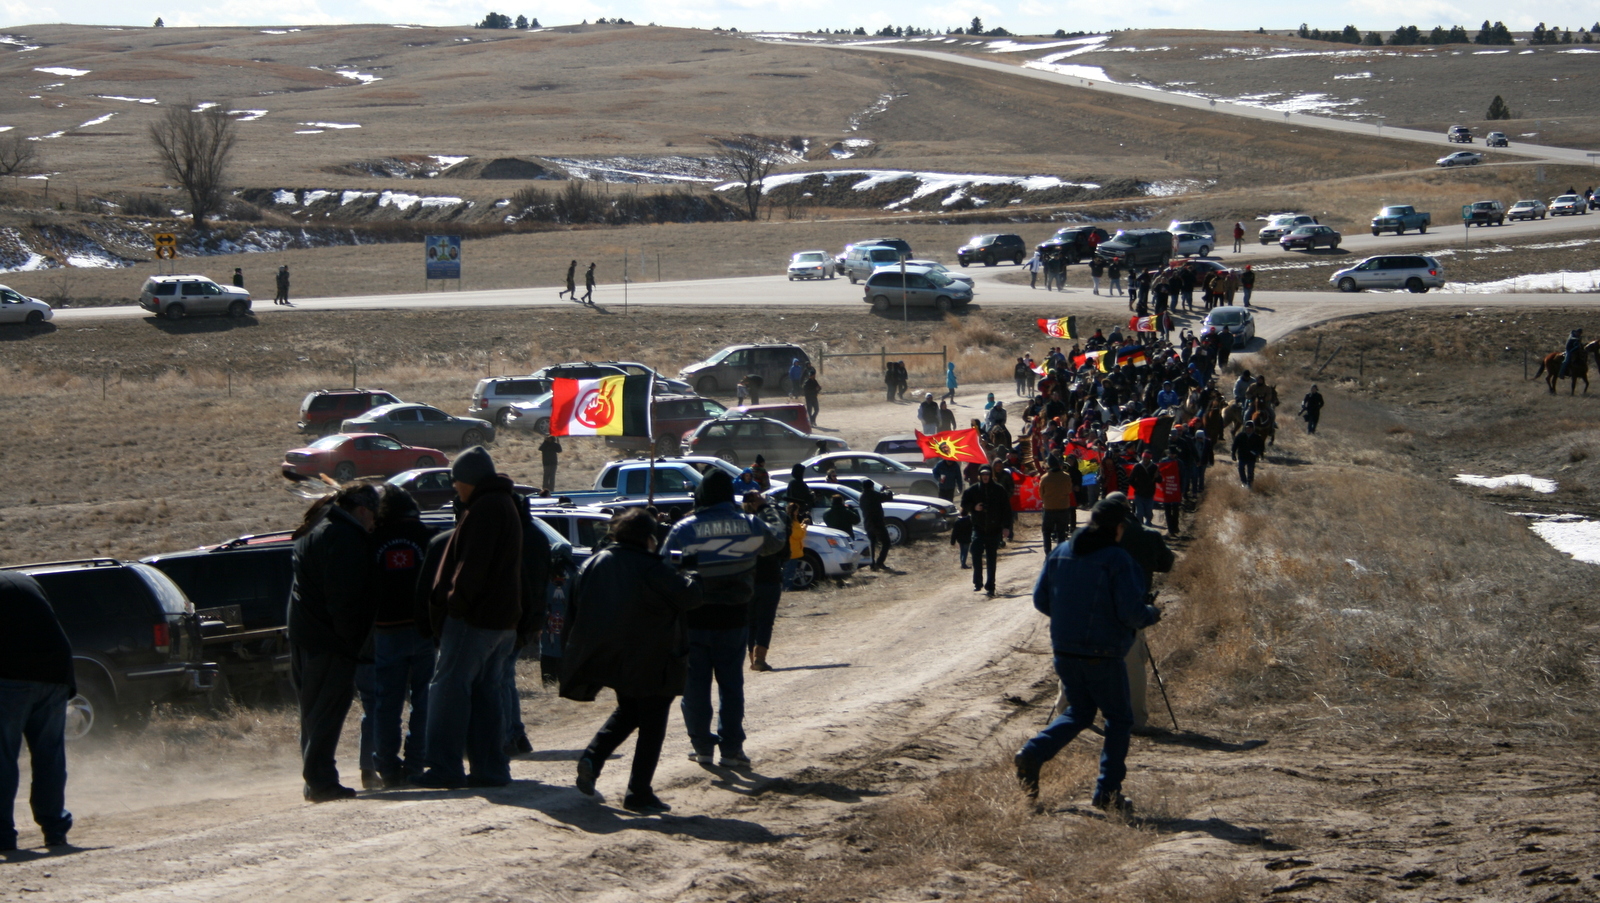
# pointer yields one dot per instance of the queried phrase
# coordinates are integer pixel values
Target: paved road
(1535, 151)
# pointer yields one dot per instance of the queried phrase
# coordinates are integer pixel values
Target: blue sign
(444, 256)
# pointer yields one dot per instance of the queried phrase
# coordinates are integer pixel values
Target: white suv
(16, 307)
(175, 297)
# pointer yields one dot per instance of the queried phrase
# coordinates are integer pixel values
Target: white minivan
(863, 259)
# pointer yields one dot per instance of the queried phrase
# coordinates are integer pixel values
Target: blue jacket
(1095, 601)
(725, 542)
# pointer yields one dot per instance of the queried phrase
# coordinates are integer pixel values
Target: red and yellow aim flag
(1060, 328)
(1137, 431)
(954, 445)
(1142, 324)
(609, 406)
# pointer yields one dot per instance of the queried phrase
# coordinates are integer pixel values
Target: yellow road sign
(166, 252)
(166, 240)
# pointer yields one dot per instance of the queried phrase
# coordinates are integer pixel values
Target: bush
(1498, 109)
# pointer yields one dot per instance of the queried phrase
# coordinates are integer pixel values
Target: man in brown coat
(1060, 511)
(474, 608)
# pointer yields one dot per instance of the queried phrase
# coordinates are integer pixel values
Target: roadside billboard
(443, 256)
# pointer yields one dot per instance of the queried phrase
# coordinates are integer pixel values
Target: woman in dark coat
(625, 631)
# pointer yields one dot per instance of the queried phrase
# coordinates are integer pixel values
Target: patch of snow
(1353, 75)
(1086, 48)
(1335, 54)
(93, 260)
(308, 131)
(1488, 52)
(645, 169)
(1537, 484)
(1524, 52)
(1014, 46)
(407, 26)
(97, 120)
(366, 78)
(61, 70)
(247, 115)
(314, 196)
(1135, 49)
(445, 161)
(929, 182)
(6, 128)
(204, 106)
(503, 202)
(407, 201)
(273, 31)
(332, 125)
(1087, 73)
(349, 196)
(877, 107)
(285, 196)
(1570, 533)
(150, 100)
(1578, 50)
(1585, 282)
(20, 43)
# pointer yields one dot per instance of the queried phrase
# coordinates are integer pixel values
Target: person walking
(1311, 409)
(768, 591)
(1247, 282)
(947, 417)
(812, 391)
(948, 473)
(474, 609)
(282, 297)
(725, 543)
(1114, 270)
(1034, 265)
(989, 506)
(1092, 592)
(928, 415)
(1143, 482)
(238, 277)
(961, 537)
(331, 613)
(840, 516)
(1169, 487)
(891, 380)
(1060, 506)
(549, 457)
(1238, 238)
(36, 683)
(1097, 268)
(588, 285)
(1247, 450)
(1019, 372)
(797, 373)
(950, 383)
(624, 631)
(571, 290)
(877, 526)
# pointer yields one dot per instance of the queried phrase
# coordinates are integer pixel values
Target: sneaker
(645, 803)
(371, 780)
(700, 758)
(586, 775)
(735, 759)
(328, 794)
(434, 780)
(52, 840)
(1027, 774)
(1112, 802)
(398, 779)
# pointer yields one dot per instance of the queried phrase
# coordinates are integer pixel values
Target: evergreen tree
(495, 20)
(1405, 36)
(1498, 109)
(1485, 34)
(1351, 35)
(1305, 30)
(976, 28)
(522, 21)
(1438, 35)
(159, 23)
(535, 23)
(1537, 37)
(1373, 39)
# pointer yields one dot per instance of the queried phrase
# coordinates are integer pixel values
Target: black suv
(323, 411)
(135, 639)
(1137, 249)
(992, 248)
(1077, 241)
(240, 592)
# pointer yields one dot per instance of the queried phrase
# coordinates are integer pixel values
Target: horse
(1550, 368)
(1265, 419)
(1232, 418)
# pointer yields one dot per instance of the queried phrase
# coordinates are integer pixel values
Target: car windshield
(1226, 317)
(982, 239)
(327, 442)
(1284, 220)
(1305, 230)
(808, 257)
(939, 279)
(717, 358)
(1567, 198)
(1523, 204)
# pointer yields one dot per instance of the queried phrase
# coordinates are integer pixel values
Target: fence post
(1318, 353)
(1361, 365)
(1524, 365)
(883, 358)
(353, 383)
(106, 376)
(944, 357)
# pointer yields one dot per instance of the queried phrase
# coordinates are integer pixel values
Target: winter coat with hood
(1094, 595)
(625, 625)
(480, 569)
(331, 603)
(724, 542)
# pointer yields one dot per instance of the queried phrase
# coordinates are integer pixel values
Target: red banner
(954, 445)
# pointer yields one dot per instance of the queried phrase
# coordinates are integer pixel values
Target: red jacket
(1169, 489)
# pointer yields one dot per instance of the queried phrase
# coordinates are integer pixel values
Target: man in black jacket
(872, 519)
(989, 506)
(402, 657)
(625, 631)
(549, 456)
(1311, 409)
(331, 611)
(1247, 449)
(36, 681)
(1145, 476)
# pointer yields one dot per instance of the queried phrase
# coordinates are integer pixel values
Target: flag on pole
(1142, 324)
(1133, 356)
(1094, 359)
(1062, 328)
(608, 406)
(1136, 431)
(953, 445)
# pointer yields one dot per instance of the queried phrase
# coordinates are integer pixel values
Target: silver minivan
(1412, 272)
(863, 259)
(919, 287)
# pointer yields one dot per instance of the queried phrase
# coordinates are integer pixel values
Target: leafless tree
(17, 153)
(748, 160)
(194, 148)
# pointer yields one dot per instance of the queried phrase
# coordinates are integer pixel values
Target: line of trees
(1559, 35)
(1412, 36)
(496, 20)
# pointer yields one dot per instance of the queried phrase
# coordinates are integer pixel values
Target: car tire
(1348, 284)
(238, 309)
(344, 472)
(669, 446)
(1334, 246)
(330, 428)
(471, 438)
(92, 713)
(989, 261)
(791, 278)
(729, 455)
(502, 419)
(542, 425)
(852, 278)
(1263, 241)
(942, 304)
(880, 304)
(807, 571)
(35, 318)
(924, 487)
(426, 461)
(706, 385)
(1375, 233)
(1017, 260)
(1415, 286)
(896, 530)
(174, 312)
(1422, 229)
(1205, 250)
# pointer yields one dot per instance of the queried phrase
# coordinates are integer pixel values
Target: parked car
(240, 591)
(1497, 139)
(793, 414)
(905, 521)
(1135, 249)
(723, 370)
(811, 265)
(1077, 243)
(1283, 224)
(1412, 272)
(421, 424)
(740, 439)
(701, 464)
(903, 448)
(433, 487)
(1397, 218)
(1484, 213)
(1195, 227)
(1459, 134)
(1460, 158)
(176, 297)
(1237, 320)
(915, 287)
(670, 417)
(991, 248)
(664, 385)
(1194, 244)
(863, 259)
(345, 456)
(1568, 205)
(895, 475)
(1310, 238)
(960, 277)
(323, 411)
(493, 397)
(1527, 209)
(16, 307)
(899, 244)
(135, 639)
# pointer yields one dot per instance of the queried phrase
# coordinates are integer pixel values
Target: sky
(1022, 17)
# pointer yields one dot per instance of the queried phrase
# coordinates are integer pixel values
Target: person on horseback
(1573, 351)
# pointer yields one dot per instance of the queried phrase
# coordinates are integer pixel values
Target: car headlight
(834, 543)
(925, 514)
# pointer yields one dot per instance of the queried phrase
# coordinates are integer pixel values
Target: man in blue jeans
(36, 680)
(474, 609)
(722, 542)
(1094, 594)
